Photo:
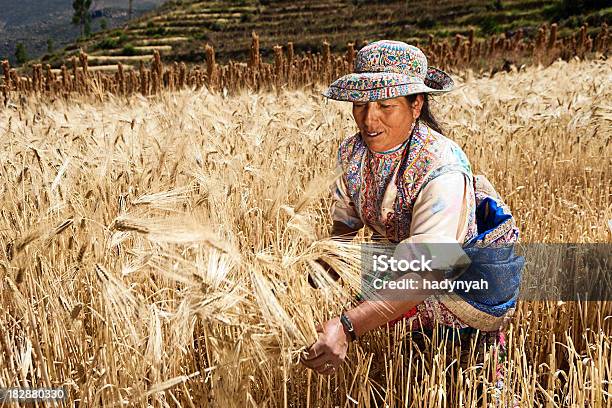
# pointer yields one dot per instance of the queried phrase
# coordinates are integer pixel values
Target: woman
(410, 184)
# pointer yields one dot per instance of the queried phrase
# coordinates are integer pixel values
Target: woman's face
(387, 123)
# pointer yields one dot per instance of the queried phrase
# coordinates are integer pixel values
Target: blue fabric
(501, 269)
(486, 222)
(498, 265)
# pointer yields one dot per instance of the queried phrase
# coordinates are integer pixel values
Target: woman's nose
(370, 115)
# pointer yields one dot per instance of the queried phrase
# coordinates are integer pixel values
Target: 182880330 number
(17, 394)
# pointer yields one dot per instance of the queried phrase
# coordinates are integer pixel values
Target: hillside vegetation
(179, 29)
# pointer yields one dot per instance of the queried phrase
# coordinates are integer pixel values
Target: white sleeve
(440, 216)
(343, 209)
(441, 209)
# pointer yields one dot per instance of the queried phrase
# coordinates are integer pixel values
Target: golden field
(154, 251)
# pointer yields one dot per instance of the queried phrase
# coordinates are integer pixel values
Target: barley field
(154, 251)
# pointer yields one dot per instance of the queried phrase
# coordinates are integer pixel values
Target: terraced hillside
(179, 28)
(34, 22)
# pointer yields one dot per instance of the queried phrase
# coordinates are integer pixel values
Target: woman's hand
(330, 349)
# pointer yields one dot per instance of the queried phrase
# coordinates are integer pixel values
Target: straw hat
(388, 69)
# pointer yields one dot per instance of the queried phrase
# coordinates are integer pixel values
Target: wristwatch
(348, 326)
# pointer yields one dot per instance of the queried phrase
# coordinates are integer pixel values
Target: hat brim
(375, 86)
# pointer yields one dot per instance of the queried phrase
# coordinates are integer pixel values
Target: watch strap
(348, 326)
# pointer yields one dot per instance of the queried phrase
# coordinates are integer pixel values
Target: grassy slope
(186, 25)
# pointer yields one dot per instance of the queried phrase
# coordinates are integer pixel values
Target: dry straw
(155, 252)
(287, 69)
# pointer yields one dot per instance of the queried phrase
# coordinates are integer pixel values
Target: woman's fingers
(328, 352)
(316, 356)
(319, 362)
(322, 361)
(315, 351)
(327, 370)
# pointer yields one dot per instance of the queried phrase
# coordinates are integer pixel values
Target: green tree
(81, 16)
(87, 28)
(49, 46)
(103, 24)
(21, 54)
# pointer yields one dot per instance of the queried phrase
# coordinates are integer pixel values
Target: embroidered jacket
(423, 191)
(425, 181)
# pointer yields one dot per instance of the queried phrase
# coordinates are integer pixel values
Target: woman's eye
(386, 106)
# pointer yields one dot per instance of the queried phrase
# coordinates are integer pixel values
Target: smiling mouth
(372, 134)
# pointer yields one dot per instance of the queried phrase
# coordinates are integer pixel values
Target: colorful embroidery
(388, 69)
(391, 56)
(385, 186)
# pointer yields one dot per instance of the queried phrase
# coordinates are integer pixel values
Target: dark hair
(426, 115)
